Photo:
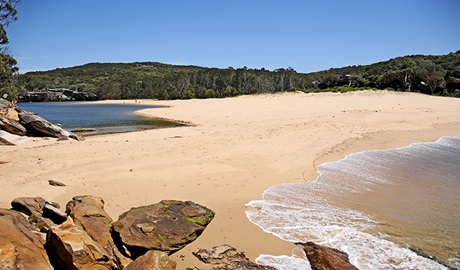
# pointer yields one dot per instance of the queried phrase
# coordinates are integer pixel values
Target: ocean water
(105, 118)
(388, 209)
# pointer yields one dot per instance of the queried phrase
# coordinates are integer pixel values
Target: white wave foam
(300, 212)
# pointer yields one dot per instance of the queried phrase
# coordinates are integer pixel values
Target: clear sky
(306, 35)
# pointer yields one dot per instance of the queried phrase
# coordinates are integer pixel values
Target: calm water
(388, 209)
(105, 118)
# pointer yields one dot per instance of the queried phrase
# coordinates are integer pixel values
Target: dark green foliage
(8, 69)
(427, 74)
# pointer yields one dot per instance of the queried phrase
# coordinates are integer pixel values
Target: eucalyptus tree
(8, 69)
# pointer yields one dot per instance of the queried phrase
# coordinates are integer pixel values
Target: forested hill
(439, 75)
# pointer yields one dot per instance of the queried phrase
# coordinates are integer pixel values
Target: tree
(8, 69)
(432, 75)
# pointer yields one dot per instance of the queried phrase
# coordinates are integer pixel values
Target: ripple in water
(388, 209)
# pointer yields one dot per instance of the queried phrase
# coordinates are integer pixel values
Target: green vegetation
(417, 73)
(200, 220)
(435, 75)
(162, 238)
(8, 69)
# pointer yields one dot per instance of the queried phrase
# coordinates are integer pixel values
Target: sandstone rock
(55, 204)
(56, 215)
(152, 260)
(41, 223)
(88, 212)
(8, 109)
(325, 258)
(12, 126)
(43, 126)
(228, 258)
(41, 214)
(20, 248)
(7, 138)
(56, 183)
(29, 205)
(70, 247)
(167, 226)
(33, 207)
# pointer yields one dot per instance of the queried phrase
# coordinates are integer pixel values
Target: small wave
(309, 211)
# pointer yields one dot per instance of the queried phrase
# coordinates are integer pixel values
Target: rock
(325, 258)
(29, 205)
(8, 109)
(76, 137)
(88, 212)
(55, 204)
(56, 215)
(7, 138)
(167, 226)
(153, 260)
(41, 223)
(228, 258)
(20, 248)
(218, 254)
(12, 126)
(39, 212)
(56, 183)
(70, 247)
(83, 130)
(43, 126)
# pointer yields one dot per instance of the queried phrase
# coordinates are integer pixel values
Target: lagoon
(105, 118)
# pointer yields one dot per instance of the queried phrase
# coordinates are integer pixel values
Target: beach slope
(235, 149)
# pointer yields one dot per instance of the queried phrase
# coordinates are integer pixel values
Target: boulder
(43, 126)
(34, 207)
(70, 247)
(12, 126)
(29, 205)
(7, 138)
(228, 258)
(152, 260)
(88, 212)
(55, 214)
(8, 109)
(325, 258)
(20, 247)
(167, 226)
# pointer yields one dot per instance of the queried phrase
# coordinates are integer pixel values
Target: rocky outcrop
(228, 258)
(153, 260)
(167, 226)
(88, 238)
(20, 245)
(70, 247)
(29, 205)
(325, 258)
(43, 126)
(12, 126)
(42, 214)
(88, 212)
(15, 121)
(7, 138)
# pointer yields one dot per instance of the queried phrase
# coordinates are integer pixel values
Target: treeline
(427, 74)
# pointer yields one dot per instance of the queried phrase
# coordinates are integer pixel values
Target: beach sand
(235, 149)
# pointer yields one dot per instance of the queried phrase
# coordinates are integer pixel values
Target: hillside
(438, 75)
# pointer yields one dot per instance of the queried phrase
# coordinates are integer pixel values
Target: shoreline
(236, 149)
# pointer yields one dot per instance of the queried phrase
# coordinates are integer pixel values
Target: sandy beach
(234, 150)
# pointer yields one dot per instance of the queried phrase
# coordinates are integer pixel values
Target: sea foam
(321, 211)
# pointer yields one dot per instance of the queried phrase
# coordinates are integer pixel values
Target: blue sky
(305, 35)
